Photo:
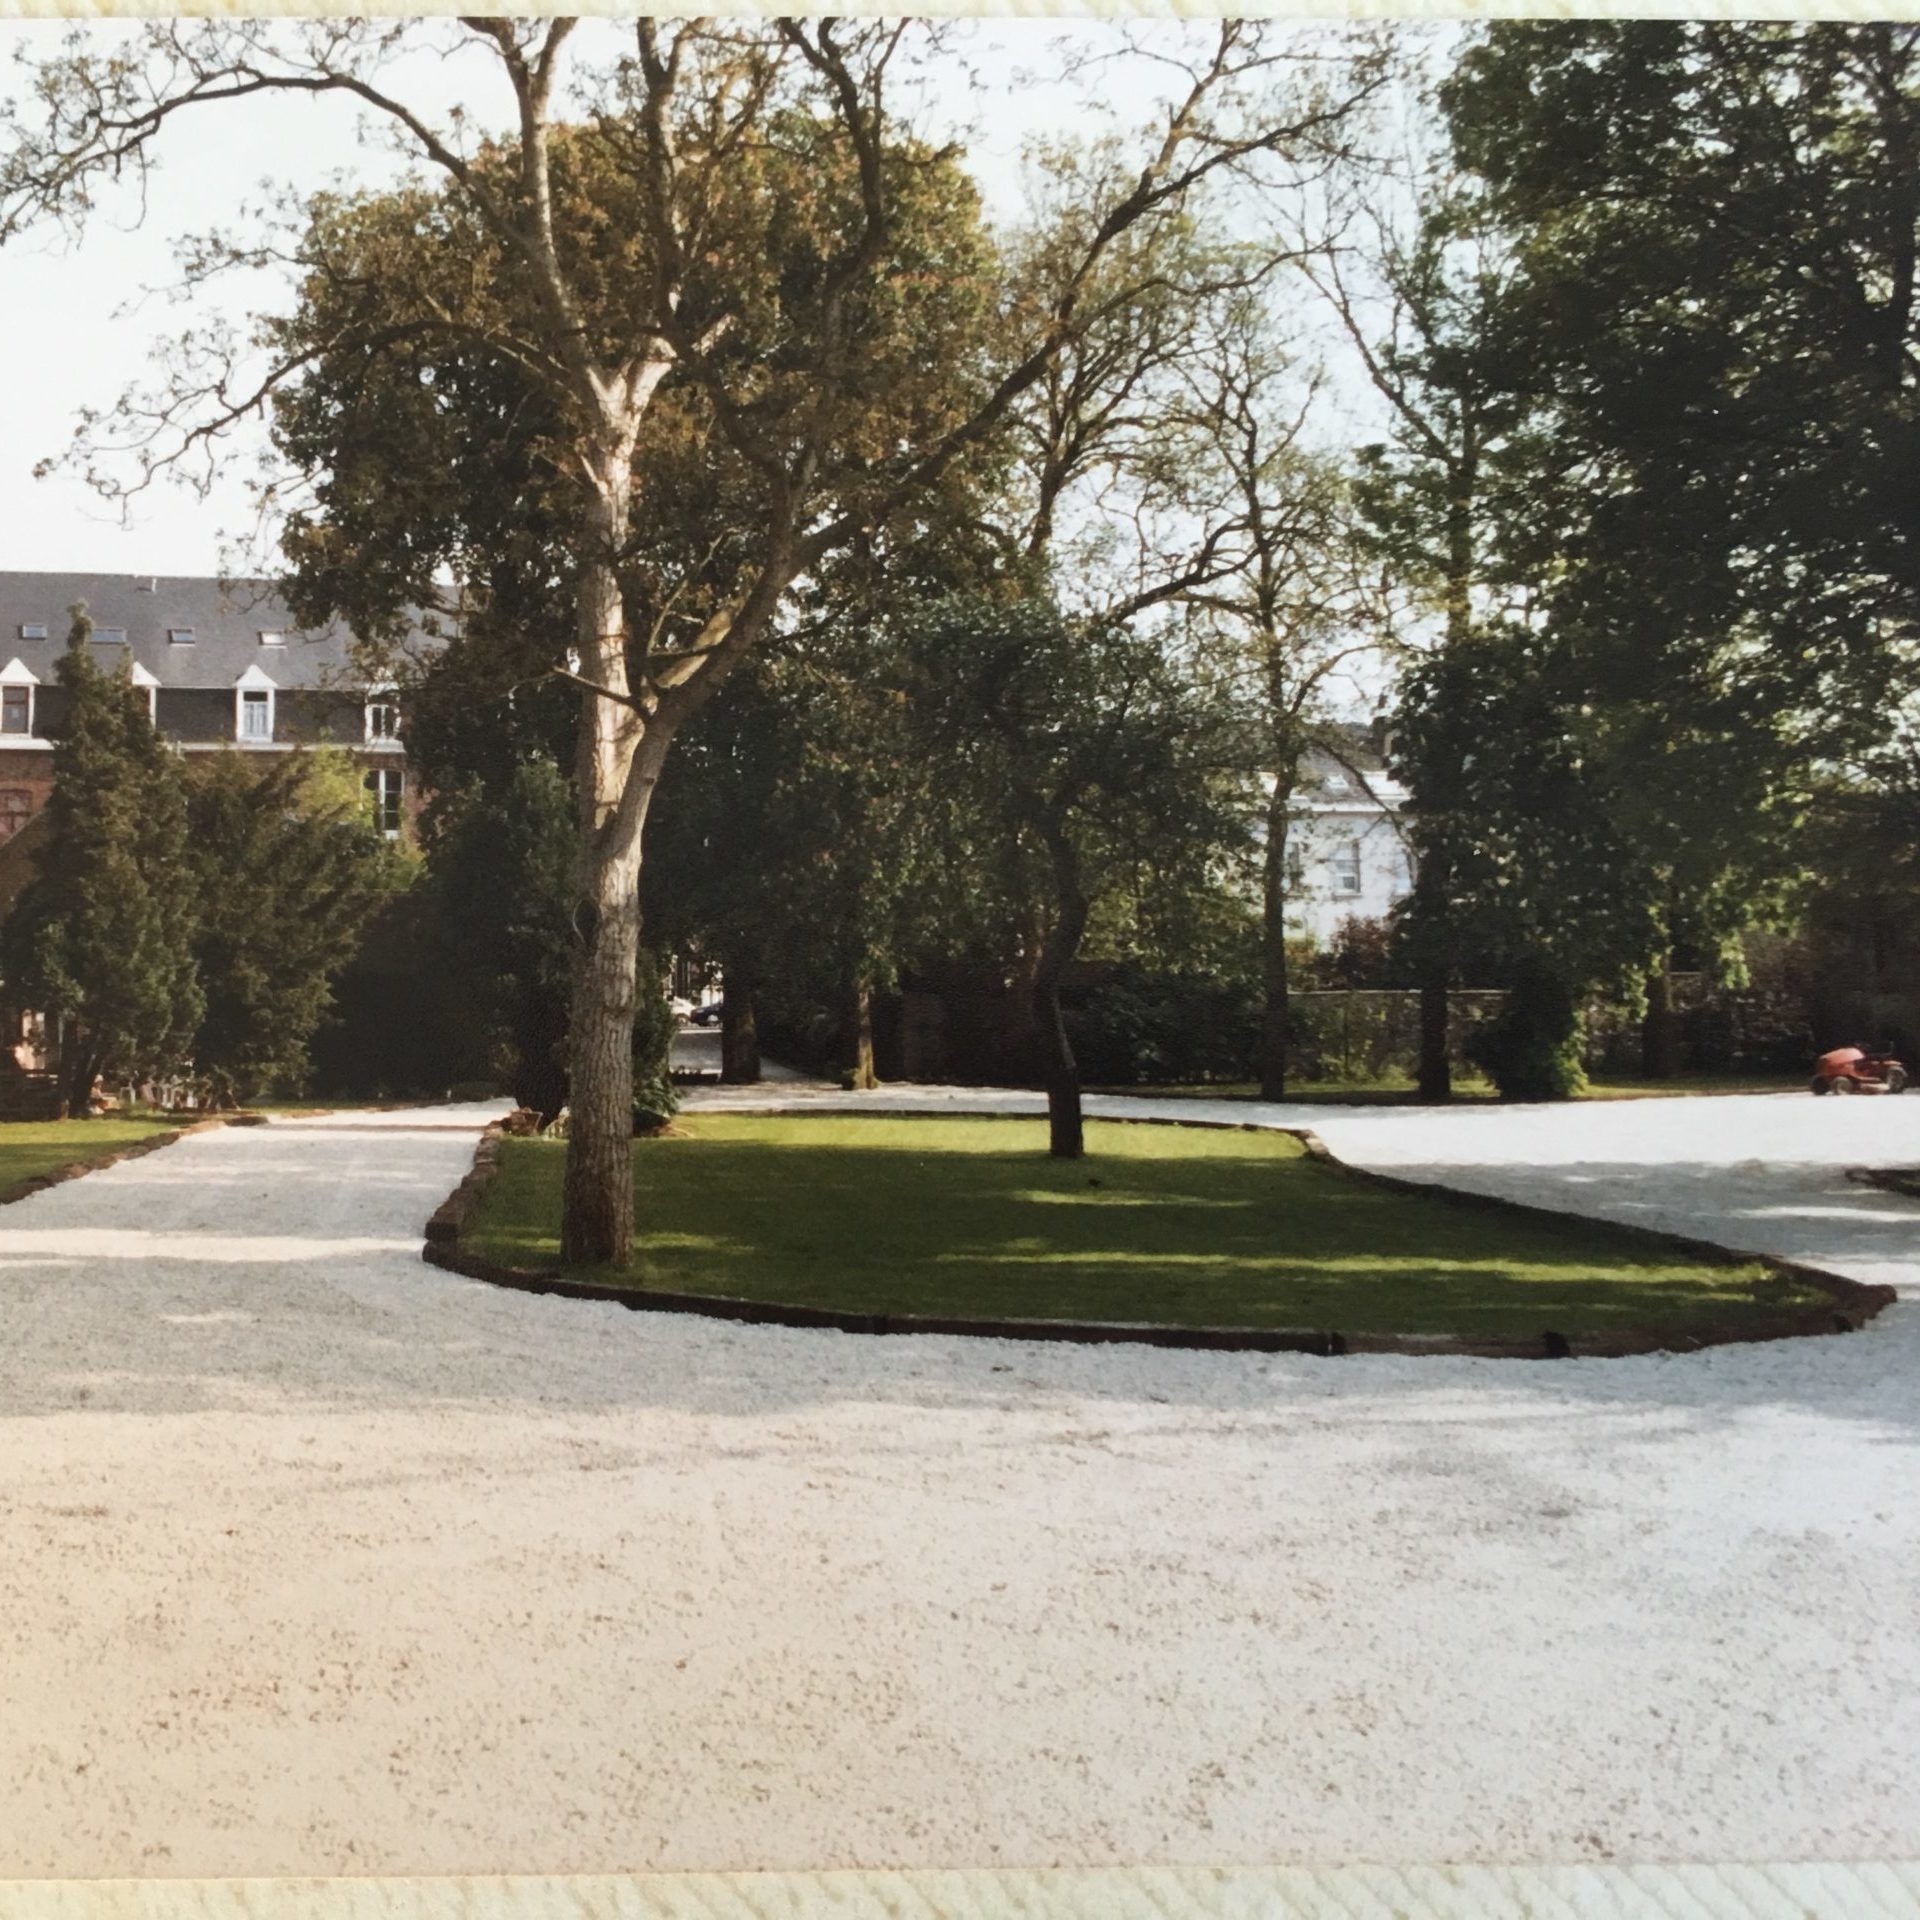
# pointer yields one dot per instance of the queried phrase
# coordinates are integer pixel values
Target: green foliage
(502, 873)
(102, 937)
(788, 841)
(1158, 1026)
(1708, 296)
(287, 871)
(1714, 225)
(501, 876)
(1541, 866)
(1074, 759)
(438, 445)
(655, 1098)
(1532, 1049)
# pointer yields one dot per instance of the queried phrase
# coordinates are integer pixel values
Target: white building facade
(1346, 848)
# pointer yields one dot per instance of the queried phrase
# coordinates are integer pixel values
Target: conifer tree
(102, 938)
(286, 871)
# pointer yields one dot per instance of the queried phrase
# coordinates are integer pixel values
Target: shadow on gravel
(1808, 1212)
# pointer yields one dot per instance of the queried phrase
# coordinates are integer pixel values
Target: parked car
(1853, 1070)
(710, 1015)
(682, 1007)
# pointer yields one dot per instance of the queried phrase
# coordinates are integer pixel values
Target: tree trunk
(739, 1029)
(1436, 970)
(1066, 1127)
(1059, 1071)
(1436, 1057)
(858, 1047)
(614, 793)
(78, 1072)
(1659, 1031)
(598, 1223)
(1275, 1019)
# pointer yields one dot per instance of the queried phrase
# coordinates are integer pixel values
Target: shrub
(1531, 1050)
(1144, 1026)
(655, 1100)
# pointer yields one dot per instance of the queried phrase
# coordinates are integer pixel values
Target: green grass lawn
(970, 1218)
(32, 1147)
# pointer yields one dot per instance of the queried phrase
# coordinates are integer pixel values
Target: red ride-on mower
(1850, 1070)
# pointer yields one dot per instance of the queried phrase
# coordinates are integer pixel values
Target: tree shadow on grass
(1233, 1231)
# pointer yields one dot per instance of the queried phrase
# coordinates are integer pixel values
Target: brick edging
(74, 1169)
(1852, 1302)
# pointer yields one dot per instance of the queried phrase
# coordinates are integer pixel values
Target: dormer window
(273, 637)
(383, 716)
(17, 682)
(33, 629)
(1336, 781)
(149, 686)
(253, 709)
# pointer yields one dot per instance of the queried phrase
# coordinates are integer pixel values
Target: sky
(84, 316)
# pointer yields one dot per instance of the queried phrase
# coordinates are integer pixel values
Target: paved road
(697, 1050)
(314, 1559)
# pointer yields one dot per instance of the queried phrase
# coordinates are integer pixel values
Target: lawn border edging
(75, 1169)
(1854, 1303)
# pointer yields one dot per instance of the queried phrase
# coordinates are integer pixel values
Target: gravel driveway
(314, 1559)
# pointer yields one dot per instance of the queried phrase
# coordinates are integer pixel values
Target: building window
(179, 636)
(256, 713)
(16, 809)
(1334, 780)
(383, 716)
(272, 637)
(110, 636)
(386, 786)
(33, 630)
(16, 710)
(1346, 868)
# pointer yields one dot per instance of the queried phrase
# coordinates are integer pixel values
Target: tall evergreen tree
(287, 869)
(102, 938)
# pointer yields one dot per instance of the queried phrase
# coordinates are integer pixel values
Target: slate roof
(226, 617)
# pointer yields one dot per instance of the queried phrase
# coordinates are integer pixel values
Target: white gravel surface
(314, 1559)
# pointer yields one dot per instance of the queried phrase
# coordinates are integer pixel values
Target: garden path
(315, 1559)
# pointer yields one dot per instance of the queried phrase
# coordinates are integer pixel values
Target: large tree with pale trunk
(655, 313)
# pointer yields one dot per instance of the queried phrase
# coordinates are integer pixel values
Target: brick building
(223, 667)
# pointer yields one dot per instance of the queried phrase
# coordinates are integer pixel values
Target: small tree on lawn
(102, 938)
(1072, 752)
